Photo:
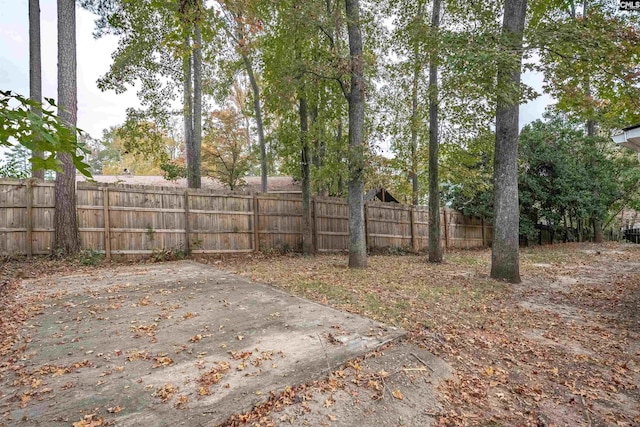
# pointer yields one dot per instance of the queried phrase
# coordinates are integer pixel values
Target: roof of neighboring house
(275, 184)
(381, 194)
(630, 138)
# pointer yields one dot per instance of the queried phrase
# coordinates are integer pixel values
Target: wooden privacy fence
(139, 220)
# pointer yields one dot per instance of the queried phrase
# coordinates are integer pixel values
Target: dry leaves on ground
(561, 348)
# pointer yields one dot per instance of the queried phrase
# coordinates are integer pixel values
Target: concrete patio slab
(170, 344)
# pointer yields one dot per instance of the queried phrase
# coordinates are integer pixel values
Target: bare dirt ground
(560, 349)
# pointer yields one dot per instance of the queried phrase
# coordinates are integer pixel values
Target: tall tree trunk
(357, 238)
(414, 126)
(435, 246)
(305, 168)
(66, 236)
(197, 107)
(415, 119)
(580, 230)
(598, 236)
(338, 152)
(35, 69)
(319, 153)
(257, 108)
(505, 255)
(187, 73)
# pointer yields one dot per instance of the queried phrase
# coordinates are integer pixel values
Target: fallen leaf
(165, 392)
(329, 402)
(91, 420)
(162, 361)
(182, 402)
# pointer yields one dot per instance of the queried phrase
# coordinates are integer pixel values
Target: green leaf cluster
(21, 126)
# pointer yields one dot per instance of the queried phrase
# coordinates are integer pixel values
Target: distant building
(630, 138)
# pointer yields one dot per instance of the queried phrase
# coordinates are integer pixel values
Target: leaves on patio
(166, 392)
(91, 420)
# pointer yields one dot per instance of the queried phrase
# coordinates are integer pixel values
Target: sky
(99, 110)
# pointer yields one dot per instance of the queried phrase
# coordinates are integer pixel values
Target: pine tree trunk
(505, 256)
(338, 152)
(414, 129)
(187, 74)
(257, 108)
(35, 69)
(415, 119)
(197, 107)
(435, 246)
(307, 232)
(357, 240)
(66, 236)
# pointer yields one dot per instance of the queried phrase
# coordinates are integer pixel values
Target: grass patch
(467, 258)
(324, 292)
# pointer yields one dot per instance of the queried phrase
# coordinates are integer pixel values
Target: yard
(562, 348)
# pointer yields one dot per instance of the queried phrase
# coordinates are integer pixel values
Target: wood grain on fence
(137, 220)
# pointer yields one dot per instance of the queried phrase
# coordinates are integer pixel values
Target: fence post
(446, 228)
(414, 234)
(482, 225)
(187, 230)
(316, 244)
(107, 225)
(29, 219)
(256, 237)
(366, 225)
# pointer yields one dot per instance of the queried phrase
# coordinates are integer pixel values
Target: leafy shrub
(90, 257)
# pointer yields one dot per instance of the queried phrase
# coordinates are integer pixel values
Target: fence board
(138, 220)
(332, 224)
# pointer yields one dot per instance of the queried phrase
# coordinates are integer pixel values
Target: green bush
(90, 257)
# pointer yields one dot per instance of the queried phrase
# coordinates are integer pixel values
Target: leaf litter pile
(561, 348)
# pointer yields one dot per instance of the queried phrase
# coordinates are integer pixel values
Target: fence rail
(138, 220)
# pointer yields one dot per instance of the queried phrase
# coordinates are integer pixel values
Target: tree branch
(338, 79)
(329, 36)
